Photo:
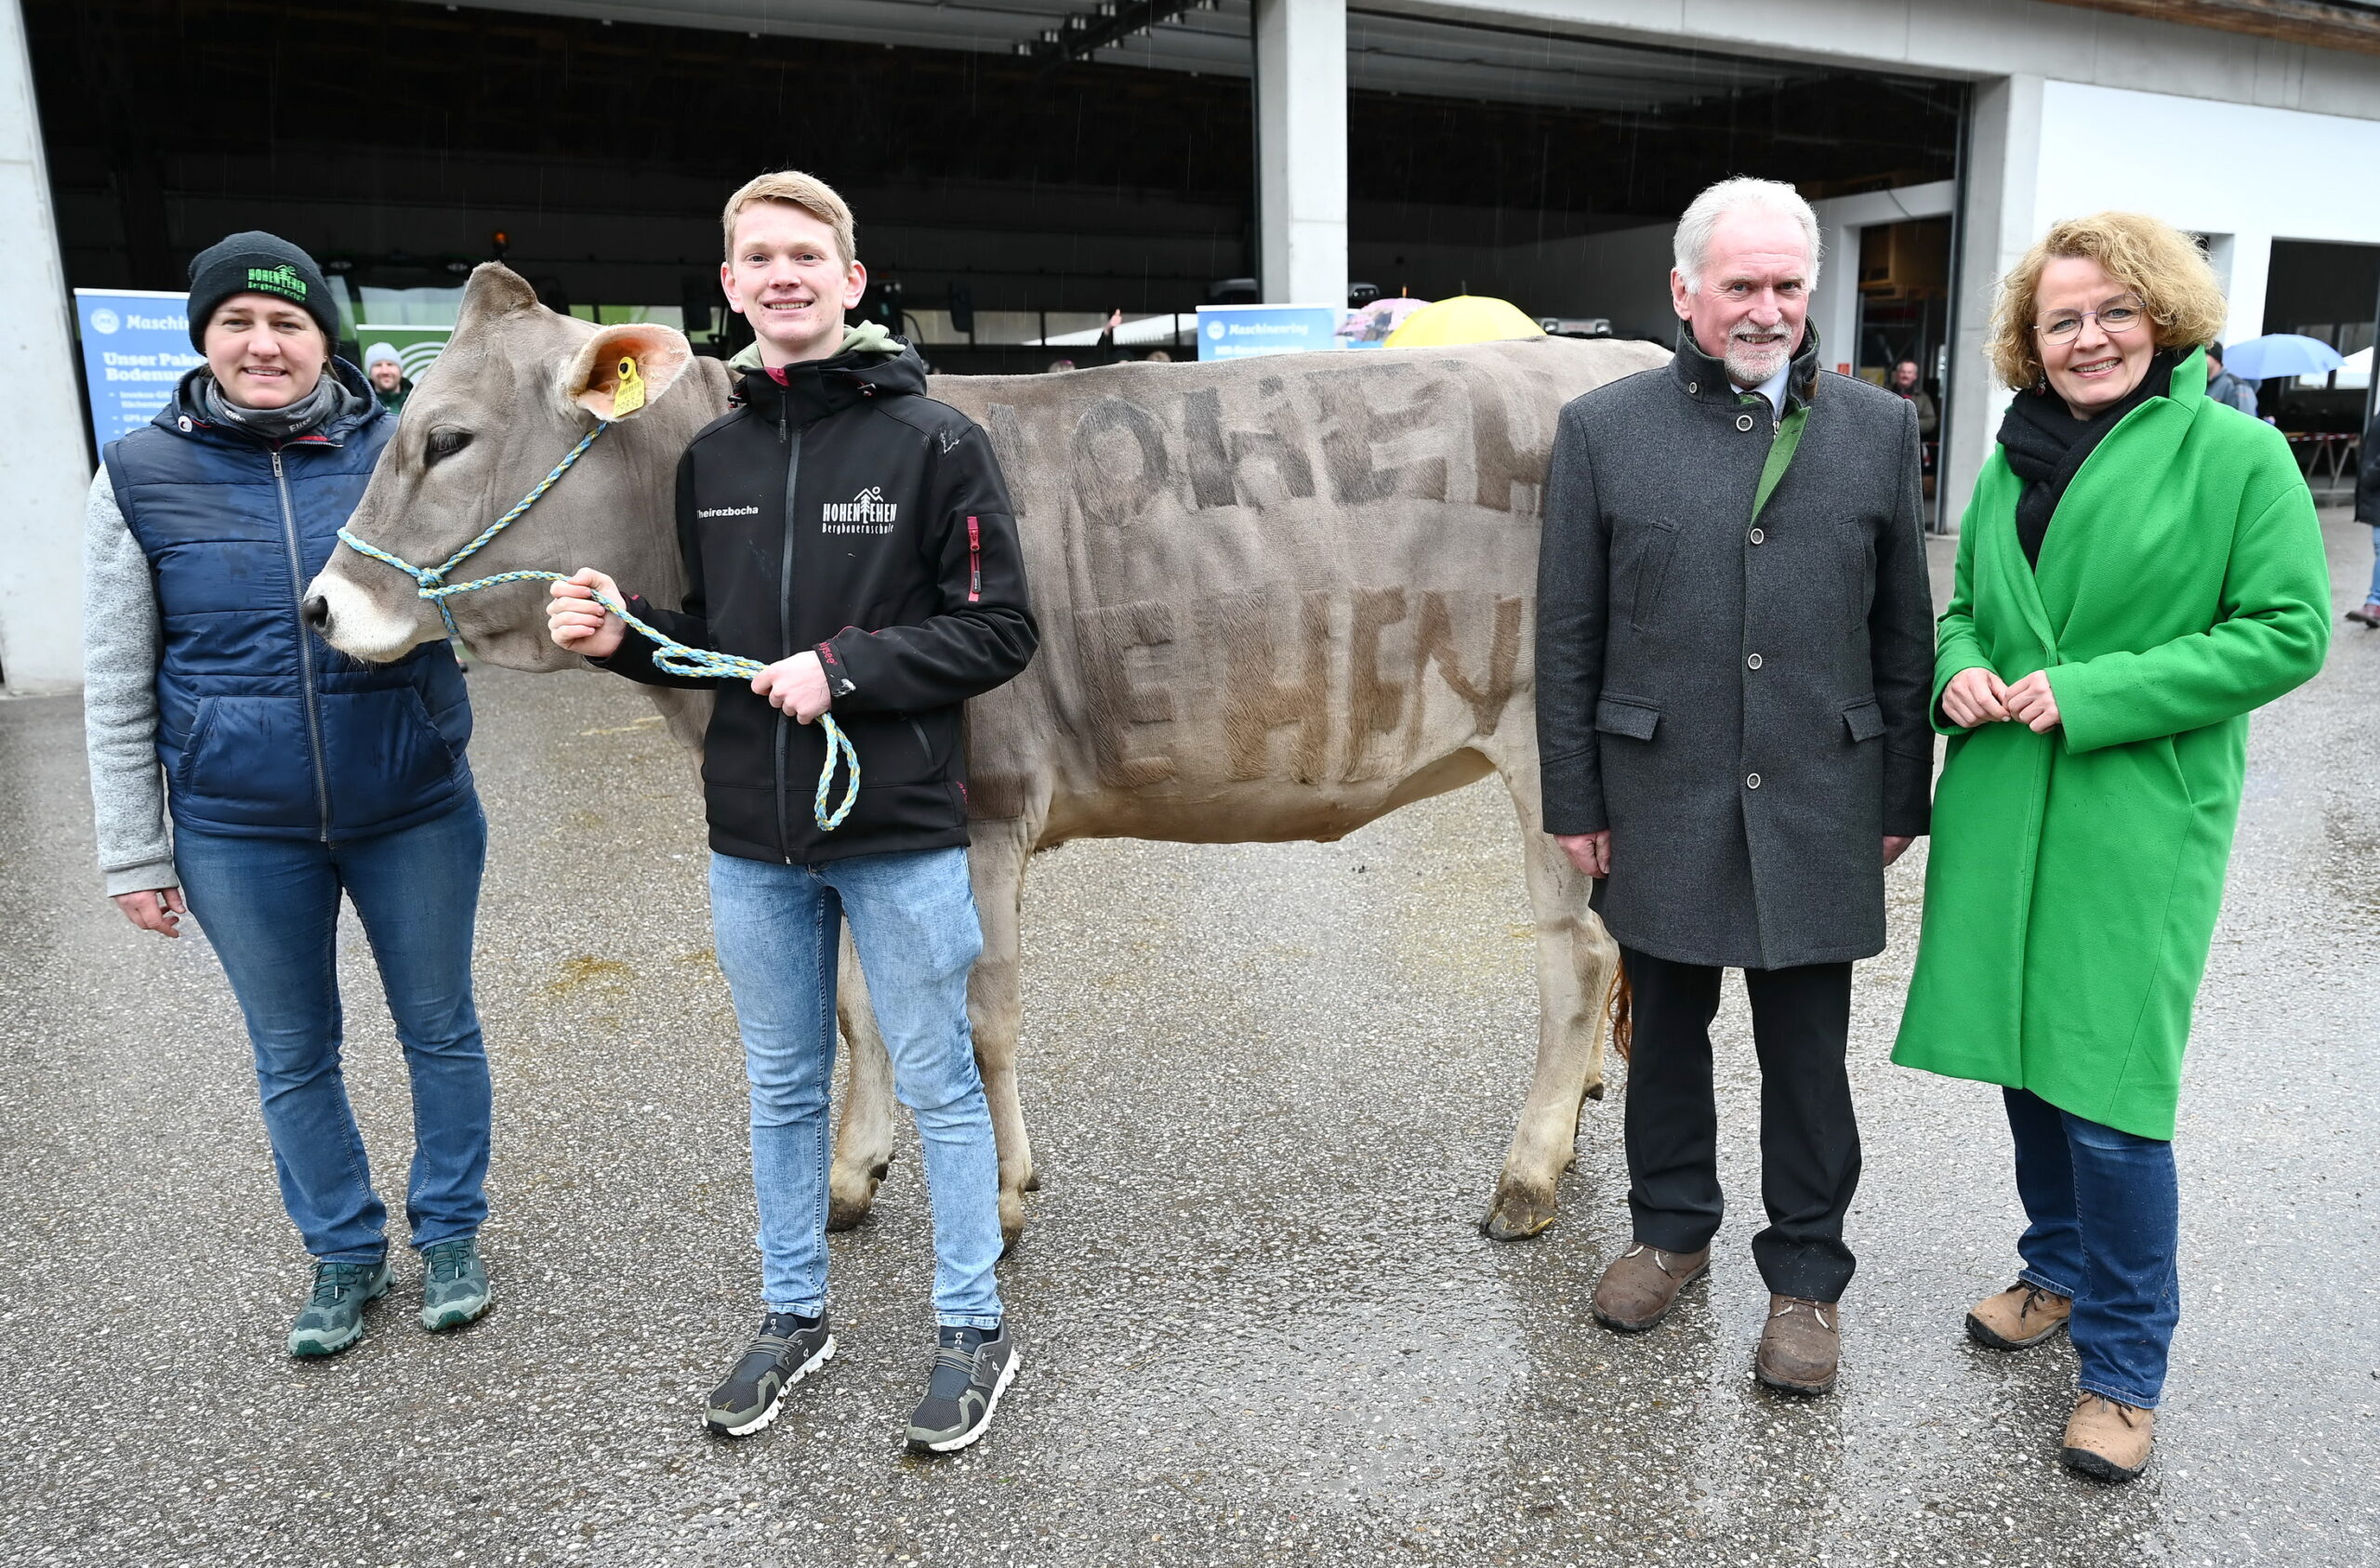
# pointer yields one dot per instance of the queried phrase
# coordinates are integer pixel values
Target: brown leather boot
(1642, 1285)
(2019, 1318)
(1800, 1347)
(2108, 1440)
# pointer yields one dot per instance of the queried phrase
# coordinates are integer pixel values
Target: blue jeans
(2105, 1225)
(2375, 595)
(271, 908)
(778, 928)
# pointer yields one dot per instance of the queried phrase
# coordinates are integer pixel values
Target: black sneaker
(971, 1368)
(786, 1350)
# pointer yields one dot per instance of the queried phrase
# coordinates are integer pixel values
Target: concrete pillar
(2245, 263)
(1301, 150)
(44, 462)
(2002, 172)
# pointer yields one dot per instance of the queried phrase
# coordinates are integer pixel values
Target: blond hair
(794, 189)
(2144, 255)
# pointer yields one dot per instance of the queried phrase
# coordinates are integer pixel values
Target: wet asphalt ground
(1270, 1089)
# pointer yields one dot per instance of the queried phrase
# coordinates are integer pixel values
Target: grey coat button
(1754, 662)
(1758, 537)
(1743, 421)
(1751, 780)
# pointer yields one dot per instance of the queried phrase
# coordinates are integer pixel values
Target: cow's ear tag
(629, 396)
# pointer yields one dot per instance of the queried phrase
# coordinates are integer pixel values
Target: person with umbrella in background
(2225, 388)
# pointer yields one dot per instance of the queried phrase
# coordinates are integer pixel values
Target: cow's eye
(445, 440)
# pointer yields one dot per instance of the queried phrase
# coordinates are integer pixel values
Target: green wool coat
(2074, 877)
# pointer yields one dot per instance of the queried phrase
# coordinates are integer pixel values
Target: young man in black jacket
(855, 535)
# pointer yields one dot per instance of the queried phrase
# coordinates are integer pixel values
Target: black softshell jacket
(846, 512)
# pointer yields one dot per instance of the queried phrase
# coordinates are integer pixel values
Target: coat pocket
(1656, 543)
(1865, 719)
(1627, 715)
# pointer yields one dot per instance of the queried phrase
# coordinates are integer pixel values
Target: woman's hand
(153, 909)
(1975, 696)
(576, 622)
(2031, 703)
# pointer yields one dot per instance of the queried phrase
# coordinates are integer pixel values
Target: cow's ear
(622, 368)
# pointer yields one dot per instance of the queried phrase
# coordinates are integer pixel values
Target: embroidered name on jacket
(868, 513)
(729, 511)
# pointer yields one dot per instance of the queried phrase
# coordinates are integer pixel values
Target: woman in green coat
(2140, 569)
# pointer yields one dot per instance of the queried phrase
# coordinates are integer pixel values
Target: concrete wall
(1974, 40)
(2243, 173)
(44, 466)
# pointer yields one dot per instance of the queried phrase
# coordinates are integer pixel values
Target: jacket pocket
(201, 726)
(1865, 719)
(1657, 541)
(1626, 716)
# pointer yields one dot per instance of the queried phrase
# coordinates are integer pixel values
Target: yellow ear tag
(629, 396)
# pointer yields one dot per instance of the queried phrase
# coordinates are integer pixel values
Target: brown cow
(1278, 599)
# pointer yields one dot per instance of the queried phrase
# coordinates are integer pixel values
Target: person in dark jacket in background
(2225, 388)
(1734, 642)
(295, 775)
(386, 371)
(2367, 510)
(856, 536)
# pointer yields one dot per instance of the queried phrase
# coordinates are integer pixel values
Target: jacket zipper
(974, 561)
(305, 651)
(785, 628)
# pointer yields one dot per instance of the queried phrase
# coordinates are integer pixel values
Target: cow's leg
(1577, 963)
(994, 1003)
(863, 1138)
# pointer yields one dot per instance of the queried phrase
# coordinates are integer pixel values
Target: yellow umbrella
(1467, 318)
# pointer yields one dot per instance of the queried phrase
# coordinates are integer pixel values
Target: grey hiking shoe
(454, 1283)
(332, 1316)
(786, 1350)
(971, 1368)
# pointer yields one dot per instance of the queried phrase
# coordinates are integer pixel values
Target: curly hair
(2151, 257)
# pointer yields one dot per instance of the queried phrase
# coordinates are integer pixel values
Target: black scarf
(2046, 445)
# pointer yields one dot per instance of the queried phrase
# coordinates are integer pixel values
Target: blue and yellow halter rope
(670, 656)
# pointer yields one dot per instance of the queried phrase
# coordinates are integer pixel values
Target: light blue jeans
(2375, 595)
(270, 907)
(778, 928)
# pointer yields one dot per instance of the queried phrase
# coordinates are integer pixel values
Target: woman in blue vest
(294, 775)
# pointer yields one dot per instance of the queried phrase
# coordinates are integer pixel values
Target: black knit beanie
(255, 262)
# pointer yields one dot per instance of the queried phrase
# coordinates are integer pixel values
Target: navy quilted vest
(265, 729)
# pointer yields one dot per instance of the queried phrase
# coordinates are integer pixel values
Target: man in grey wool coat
(1734, 648)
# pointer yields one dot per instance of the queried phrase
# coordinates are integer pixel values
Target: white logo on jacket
(868, 513)
(729, 511)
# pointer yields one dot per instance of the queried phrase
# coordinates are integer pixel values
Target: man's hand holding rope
(577, 622)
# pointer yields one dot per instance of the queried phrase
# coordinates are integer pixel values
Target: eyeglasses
(2120, 315)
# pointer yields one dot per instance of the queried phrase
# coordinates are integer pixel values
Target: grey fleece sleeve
(120, 648)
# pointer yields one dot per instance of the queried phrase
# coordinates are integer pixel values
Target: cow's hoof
(846, 1214)
(1012, 1221)
(1594, 1090)
(850, 1201)
(1517, 1213)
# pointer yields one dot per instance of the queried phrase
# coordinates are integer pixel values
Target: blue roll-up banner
(136, 346)
(1238, 332)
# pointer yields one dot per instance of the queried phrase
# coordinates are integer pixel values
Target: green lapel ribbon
(1781, 452)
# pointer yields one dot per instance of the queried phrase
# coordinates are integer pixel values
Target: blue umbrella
(2280, 353)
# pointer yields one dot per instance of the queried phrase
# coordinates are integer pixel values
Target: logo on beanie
(282, 279)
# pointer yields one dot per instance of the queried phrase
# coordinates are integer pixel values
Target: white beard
(1749, 365)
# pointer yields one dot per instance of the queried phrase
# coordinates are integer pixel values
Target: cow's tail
(1621, 1009)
